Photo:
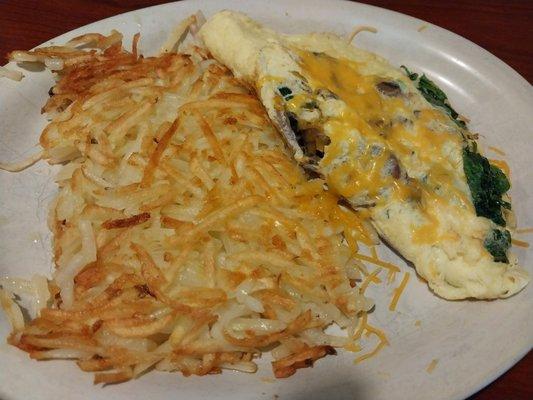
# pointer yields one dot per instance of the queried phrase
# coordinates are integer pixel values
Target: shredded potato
(185, 237)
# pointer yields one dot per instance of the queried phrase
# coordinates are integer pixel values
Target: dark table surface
(505, 28)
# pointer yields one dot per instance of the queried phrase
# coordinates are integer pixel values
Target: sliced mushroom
(285, 123)
(313, 142)
(393, 167)
(389, 89)
(326, 94)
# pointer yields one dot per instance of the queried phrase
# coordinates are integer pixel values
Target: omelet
(387, 141)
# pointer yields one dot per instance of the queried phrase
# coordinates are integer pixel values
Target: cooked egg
(381, 145)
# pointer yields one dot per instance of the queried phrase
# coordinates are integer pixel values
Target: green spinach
(487, 184)
(285, 92)
(497, 243)
(410, 75)
(434, 95)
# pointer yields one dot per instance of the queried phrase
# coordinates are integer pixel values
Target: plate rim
(350, 3)
(502, 65)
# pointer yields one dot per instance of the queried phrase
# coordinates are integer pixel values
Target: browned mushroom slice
(389, 88)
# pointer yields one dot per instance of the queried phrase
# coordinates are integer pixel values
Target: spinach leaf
(497, 243)
(434, 95)
(501, 182)
(410, 75)
(285, 92)
(487, 184)
(438, 98)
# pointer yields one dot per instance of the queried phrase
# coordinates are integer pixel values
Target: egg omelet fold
(385, 141)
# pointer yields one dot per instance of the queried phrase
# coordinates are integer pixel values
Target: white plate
(474, 342)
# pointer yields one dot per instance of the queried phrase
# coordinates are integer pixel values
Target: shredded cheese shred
(398, 292)
(432, 366)
(520, 243)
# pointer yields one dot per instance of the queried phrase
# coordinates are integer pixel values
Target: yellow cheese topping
(372, 128)
(324, 205)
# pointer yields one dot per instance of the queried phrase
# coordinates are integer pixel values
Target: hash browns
(185, 238)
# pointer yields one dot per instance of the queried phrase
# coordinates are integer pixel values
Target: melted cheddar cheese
(379, 129)
(387, 123)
